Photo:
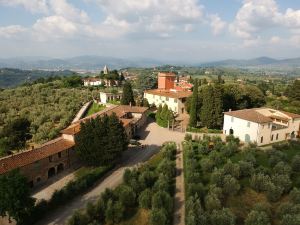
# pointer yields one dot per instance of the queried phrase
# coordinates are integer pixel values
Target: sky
(175, 30)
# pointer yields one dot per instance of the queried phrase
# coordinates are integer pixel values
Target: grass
(94, 108)
(114, 102)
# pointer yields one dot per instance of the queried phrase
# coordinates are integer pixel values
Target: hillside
(14, 77)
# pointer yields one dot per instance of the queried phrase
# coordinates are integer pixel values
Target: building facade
(92, 81)
(106, 97)
(261, 125)
(169, 94)
(41, 164)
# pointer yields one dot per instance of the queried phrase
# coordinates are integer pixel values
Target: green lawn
(94, 108)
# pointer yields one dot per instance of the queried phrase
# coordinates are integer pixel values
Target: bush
(126, 195)
(145, 199)
(260, 182)
(158, 217)
(230, 185)
(212, 202)
(257, 218)
(296, 163)
(246, 168)
(222, 217)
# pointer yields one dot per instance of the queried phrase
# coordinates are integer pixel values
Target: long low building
(261, 125)
(40, 164)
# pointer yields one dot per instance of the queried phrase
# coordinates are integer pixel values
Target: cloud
(153, 16)
(11, 31)
(256, 16)
(34, 6)
(275, 40)
(54, 27)
(217, 24)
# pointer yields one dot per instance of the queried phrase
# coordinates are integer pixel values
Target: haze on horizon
(185, 30)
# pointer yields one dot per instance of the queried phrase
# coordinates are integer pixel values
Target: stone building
(40, 164)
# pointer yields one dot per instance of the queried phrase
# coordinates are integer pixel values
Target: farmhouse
(92, 81)
(168, 94)
(40, 164)
(261, 125)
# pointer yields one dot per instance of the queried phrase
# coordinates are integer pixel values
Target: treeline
(49, 107)
(150, 188)
(13, 77)
(164, 116)
(222, 181)
(101, 141)
(208, 102)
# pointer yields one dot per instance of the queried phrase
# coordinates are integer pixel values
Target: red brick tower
(166, 81)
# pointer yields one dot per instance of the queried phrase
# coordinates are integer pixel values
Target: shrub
(246, 168)
(222, 217)
(145, 199)
(158, 217)
(282, 168)
(162, 200)
(282, 181)
(257, 218)
(296, 163)
(260, 182)
(212, 202)
(274, 192)
(230, 185)
(232, 169)
(126, 196)
(188, 137)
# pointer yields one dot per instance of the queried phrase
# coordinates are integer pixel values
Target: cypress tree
(207, 109)
(194, 106)
(218, 106)
(127, 96)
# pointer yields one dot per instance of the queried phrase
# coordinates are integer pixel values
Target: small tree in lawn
(145, 199)
(127, 96)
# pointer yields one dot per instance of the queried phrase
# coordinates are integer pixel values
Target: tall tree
(127, 96)
(207, 109)
(15, 199)
(101, 140)
(194, 106)
(218, 106)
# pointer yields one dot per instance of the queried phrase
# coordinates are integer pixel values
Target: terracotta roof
(91, 79)
(250, 115)
(120, 111)
(171, 94)
(27, 157)
(292, 115)
(166, 74)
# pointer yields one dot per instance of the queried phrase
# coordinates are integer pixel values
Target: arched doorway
(247, 138)
(51, 172)
(293, 135)
(231, 131)
(60, 168)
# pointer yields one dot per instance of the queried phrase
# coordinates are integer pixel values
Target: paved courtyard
(152, 136)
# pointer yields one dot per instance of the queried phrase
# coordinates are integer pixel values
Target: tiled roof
(120, 111)
(171, 94)
(166, 74)
(249, 115)
(91, 79)
(27, 157)
(257, 115)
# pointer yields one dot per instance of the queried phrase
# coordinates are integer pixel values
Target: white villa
(92, 81)
(173, 99)
(261, 125)
(105, 97)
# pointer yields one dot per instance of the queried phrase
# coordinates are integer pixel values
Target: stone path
(179, 201)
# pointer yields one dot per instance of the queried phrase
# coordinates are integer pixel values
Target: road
(152, 135)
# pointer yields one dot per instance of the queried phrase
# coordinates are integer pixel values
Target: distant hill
(14, 77)
(76, 63)
(261, 61)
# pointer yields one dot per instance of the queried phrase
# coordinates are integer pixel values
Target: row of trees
(49, 107)
(164, 116)
(150, 188)
(211, 179)
(101, 141)
(207, 104)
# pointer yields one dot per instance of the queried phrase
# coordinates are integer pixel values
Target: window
(261, 139)
(38, 179)
(167, 98)
(272, 137)
(263, 126)
(248, 124)
(175, 100)
(59, 155)
(232, 119)
(277, 136)
(269, 125)
(50, 158)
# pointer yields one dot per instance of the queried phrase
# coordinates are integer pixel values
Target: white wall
(175, 105)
